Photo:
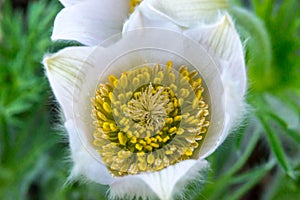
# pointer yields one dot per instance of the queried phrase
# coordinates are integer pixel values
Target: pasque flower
(145, 108)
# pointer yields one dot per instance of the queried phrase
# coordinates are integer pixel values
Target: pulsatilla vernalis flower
(144, 108)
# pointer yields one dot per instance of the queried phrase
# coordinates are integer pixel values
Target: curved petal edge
(165, 184)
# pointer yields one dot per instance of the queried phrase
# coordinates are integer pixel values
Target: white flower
(147, 132)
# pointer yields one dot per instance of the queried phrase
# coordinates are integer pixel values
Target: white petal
(84, 162)
(188, 12)
(145, 16)
(169, 181)
(73, 79)
(66, 71)
(165, 184)
(130, 187)
(67, 3)
(220, 38)
(91, 22)
(235, 106)
(71, 73)
(224, 43)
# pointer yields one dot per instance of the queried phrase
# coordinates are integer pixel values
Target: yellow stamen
(149, 118)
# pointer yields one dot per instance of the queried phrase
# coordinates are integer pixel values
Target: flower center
(133, 4)
(149, 118)
(150, 106)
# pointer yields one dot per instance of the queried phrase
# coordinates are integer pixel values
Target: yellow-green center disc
(149, 118)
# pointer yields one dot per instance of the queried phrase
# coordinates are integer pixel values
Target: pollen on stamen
(149, 118)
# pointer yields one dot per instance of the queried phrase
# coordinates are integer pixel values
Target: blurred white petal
(90, 22)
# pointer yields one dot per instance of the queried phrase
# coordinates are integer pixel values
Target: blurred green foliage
(32, 158)
(261, 160)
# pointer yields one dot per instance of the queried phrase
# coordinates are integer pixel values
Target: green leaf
(222, 184)
(276, 146)
(263, 8)
(17, 107)
(295, 135)
(282, 110)
(242, 159)
(283, 187)
(291, 98)
(250, 178)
